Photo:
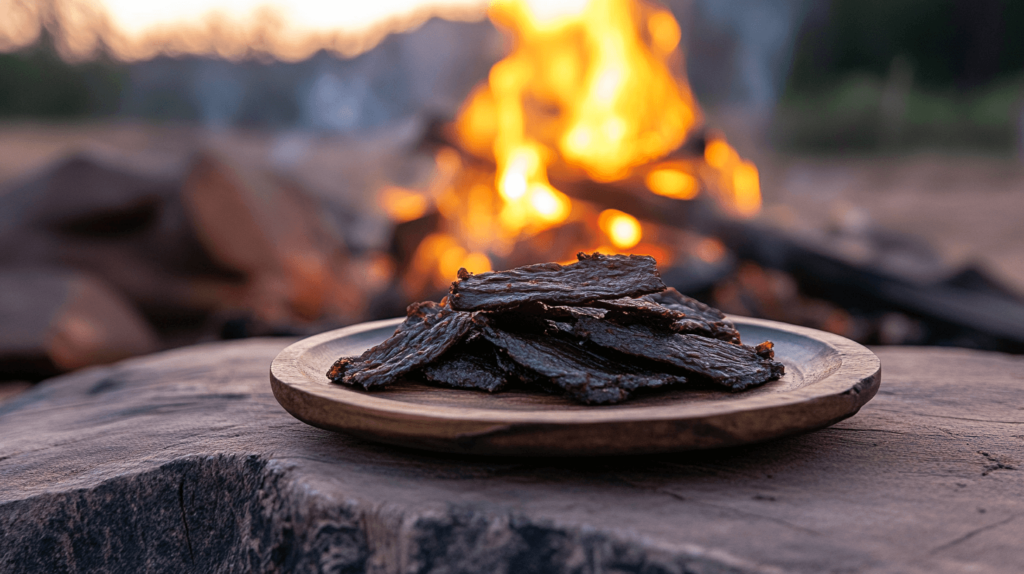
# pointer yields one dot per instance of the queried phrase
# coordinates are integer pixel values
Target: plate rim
(858, 373)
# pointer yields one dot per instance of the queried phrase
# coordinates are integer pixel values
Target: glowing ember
(747, 189)
(403, 204)
(672, 182)
(623, 229)
(476, 263)
(440, 255)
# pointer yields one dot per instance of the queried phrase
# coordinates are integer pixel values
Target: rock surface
(183, 461)
(11, 389)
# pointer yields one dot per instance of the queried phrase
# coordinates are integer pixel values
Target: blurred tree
(958, 43)
(888, 74)
(37, 82)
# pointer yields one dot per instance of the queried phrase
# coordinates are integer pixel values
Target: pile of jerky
(596, 330)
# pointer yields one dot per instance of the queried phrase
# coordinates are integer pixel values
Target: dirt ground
(969, 207)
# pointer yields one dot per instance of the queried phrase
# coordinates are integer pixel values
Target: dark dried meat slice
(471, 365)
(582, 374)
(673, 299)
(427, 332)
(593, 277)
(528, 313)
(733, 366)
(700, 318)
(628, 311)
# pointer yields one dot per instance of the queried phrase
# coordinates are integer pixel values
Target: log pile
(99, 262)
(54, 320)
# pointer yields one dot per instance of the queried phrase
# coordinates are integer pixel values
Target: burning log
(964, 308)
(630, 195)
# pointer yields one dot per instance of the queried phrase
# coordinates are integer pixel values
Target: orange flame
(589, 84)
(738, 178)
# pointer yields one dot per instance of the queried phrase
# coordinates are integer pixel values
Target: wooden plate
(828, 378)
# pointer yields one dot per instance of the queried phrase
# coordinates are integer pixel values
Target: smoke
(218, 93)
(743, 49)
(427, 72)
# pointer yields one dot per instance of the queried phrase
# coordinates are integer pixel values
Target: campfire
(591, 101)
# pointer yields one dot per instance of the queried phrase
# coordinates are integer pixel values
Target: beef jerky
(471, 365)
(550, 312)
(628, 311)
(593, 277)
(682, 314)
(673, 299)
(733, 366)
(582, 374)
(531, 318)
(700, 318)
(428, 331)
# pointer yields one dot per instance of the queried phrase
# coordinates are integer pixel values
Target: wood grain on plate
(828, 378)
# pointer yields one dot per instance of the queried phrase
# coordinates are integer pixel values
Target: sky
(287, 29)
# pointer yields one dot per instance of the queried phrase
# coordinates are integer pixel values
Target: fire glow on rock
(591, 90)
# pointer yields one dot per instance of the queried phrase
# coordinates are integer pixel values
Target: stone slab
(183, 461)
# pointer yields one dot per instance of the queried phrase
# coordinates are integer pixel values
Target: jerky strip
(701, 319)
(553, 312)
(736, 367)
(425, 335)
(470, 365)
(673, 299)
(628, 311)
(592, 277)
(583, 375)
